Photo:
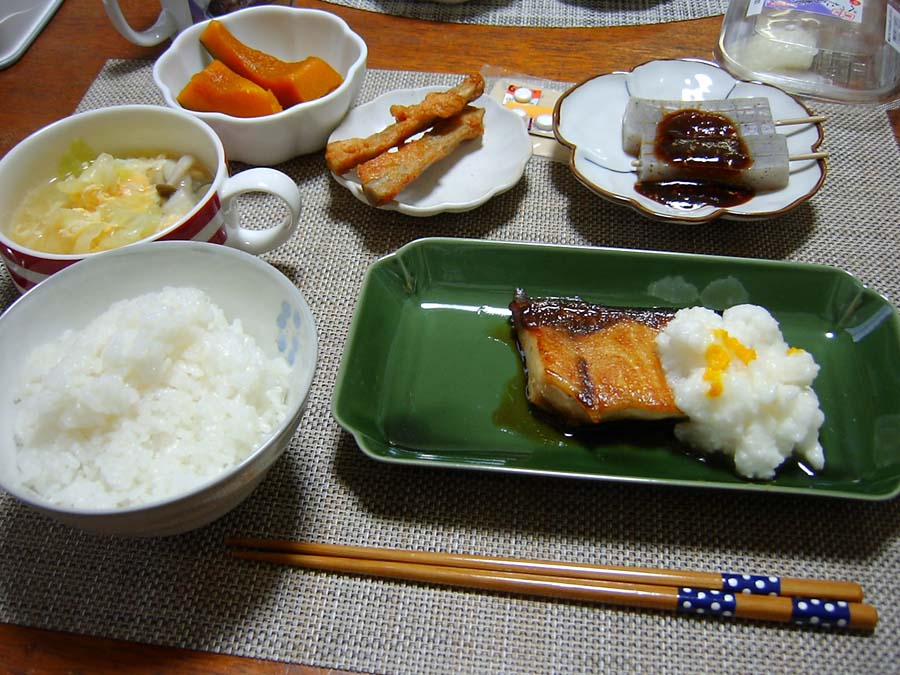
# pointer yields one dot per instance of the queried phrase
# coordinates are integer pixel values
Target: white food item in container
(766, 409)
(154, 397)
(788, 46)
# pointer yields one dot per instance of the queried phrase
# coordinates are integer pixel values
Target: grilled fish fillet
(588, 363)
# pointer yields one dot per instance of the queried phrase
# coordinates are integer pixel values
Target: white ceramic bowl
(290, 34)
(135, 130)
(271, 309)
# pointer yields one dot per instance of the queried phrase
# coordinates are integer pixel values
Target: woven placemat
(546, 13)
(184, 591)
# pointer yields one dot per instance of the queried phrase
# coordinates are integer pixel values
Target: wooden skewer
(661, 589)
(792, 158)
(811, 119)
(808, 155)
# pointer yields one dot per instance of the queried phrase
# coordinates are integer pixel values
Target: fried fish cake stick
(341, 156)
(384, 177)
(433, 106)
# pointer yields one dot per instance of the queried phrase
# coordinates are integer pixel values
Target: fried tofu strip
(342, 156)
(385, 176)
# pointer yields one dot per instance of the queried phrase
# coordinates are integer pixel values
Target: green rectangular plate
(431, 376)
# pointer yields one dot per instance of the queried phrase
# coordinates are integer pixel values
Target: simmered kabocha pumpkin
(217, 88)
(290, 82)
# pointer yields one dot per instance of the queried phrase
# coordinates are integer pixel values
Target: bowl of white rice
(147, 391)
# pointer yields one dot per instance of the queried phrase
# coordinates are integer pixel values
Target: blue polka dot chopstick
(811, 602)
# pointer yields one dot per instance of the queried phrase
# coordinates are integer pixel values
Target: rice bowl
(157, 395)
(270, 309)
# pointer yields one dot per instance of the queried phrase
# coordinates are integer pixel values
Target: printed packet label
(847, 10)
(892, 27)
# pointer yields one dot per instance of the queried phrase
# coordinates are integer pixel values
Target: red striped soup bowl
(138, 130)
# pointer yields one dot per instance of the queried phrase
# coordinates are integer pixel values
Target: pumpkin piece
(312, 78)
(291, 82)
(217, 88)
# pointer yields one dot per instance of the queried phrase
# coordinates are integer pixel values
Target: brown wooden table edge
(562, 54)
(25, 649)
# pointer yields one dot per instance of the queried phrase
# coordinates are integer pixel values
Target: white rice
(154, 397)
(767, 409)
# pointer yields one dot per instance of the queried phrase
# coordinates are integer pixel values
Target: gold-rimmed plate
(588, 119)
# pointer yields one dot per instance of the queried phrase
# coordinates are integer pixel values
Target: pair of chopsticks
(814, 602)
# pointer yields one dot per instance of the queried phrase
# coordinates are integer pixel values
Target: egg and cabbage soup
(98, 202)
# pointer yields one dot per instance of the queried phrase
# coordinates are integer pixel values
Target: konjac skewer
(750, 116)
(701, 145)
(718, 153)
(769, 169)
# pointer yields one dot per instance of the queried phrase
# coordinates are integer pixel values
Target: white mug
(175, 16)
(134, 130)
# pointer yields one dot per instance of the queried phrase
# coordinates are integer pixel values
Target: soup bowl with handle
(135, 131)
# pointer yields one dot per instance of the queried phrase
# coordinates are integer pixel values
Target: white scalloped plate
(471, 175)
(588, 119)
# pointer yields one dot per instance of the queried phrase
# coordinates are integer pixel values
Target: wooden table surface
(53, 75)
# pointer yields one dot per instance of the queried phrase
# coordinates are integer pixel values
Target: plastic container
(842, 50)
(20, 23)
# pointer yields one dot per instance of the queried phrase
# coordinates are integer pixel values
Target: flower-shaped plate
(476, 171)
(588, 119)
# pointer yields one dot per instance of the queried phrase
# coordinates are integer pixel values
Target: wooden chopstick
(654, 589)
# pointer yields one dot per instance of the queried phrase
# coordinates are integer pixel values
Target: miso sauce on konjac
(709, 148)
(692, 194)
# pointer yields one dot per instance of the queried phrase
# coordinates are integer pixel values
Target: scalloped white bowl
(290, 34)
(244, 286)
